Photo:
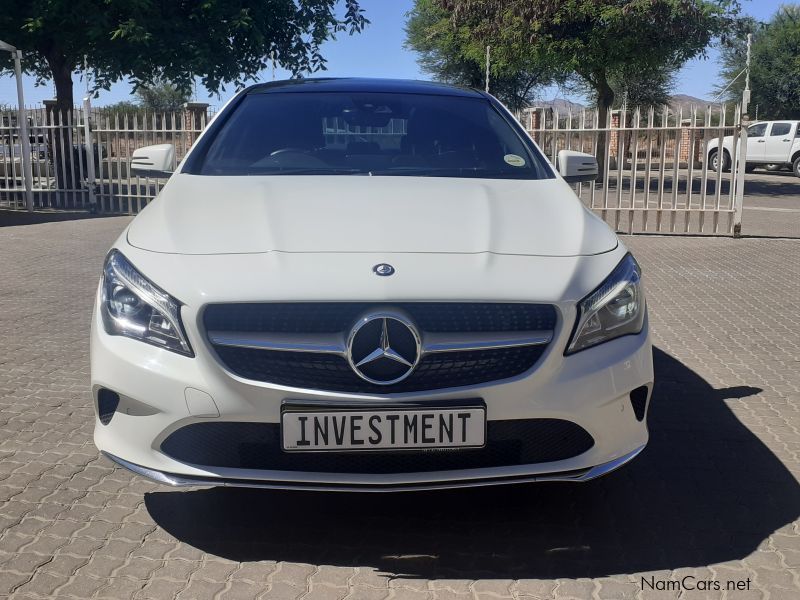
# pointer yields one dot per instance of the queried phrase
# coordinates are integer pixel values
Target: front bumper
(161, 392)
(186, 480)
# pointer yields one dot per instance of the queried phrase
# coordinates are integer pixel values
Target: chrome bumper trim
(337, 344)
(187, 480)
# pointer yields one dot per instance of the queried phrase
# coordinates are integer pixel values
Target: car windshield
(343, 133)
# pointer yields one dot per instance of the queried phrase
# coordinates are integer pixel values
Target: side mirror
(576, 167)
(154, 161)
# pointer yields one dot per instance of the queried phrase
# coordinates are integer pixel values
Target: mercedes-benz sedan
(373, 285)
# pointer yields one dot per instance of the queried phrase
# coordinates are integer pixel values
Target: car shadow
(706, 490)
(14, 217)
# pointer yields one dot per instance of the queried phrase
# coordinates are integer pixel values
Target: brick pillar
(698, 148)
(686, 141)
(196, 119)
(536, 119)
(613, 137)
(533, 122)
(613, 140)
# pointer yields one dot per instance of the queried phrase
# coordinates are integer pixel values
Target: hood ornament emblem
(383, 348)
(383, 270)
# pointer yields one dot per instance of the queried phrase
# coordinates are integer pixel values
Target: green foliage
(220, 41)
(643, 87)
(162, 96)
(599, 40)
(774, 66)
(123, 107)
(453, 54)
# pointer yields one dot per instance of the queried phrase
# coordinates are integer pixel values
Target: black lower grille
(333, 373)
(258, 446)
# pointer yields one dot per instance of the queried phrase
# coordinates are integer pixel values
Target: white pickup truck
(770, 144)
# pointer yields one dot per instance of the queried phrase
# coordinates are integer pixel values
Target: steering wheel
(288, 149)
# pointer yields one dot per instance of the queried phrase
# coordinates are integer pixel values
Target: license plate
(461, 427)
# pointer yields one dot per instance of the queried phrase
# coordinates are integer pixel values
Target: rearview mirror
(576, 167)
(154, 161)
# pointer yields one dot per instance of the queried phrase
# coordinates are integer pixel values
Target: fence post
(25, 140)
(741, 162)
(87, 136)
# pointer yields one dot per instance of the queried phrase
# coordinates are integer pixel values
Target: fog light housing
(639, 401)
(107, 402)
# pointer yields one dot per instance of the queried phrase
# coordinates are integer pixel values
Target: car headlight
(135, 307)
(614, 309)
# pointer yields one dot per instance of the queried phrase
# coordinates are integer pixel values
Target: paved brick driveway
(715, 496)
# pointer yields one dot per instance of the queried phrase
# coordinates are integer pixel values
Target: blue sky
(379, 52)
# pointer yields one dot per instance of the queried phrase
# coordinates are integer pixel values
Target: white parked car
(369, 284)
(770, 144)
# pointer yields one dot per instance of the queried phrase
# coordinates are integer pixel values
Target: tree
(774, 66)
(642, 87)
(598, 40)
(453, 55)
(220, 41)
(124, 107)
(162, 96)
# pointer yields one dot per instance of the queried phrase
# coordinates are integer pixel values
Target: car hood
(241, 215)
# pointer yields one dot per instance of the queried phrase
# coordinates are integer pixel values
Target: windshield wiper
(308, 171)
(451, 172)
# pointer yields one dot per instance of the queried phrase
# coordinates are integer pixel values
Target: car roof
(360, 84)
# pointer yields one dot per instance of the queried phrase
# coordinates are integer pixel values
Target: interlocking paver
(715, 496)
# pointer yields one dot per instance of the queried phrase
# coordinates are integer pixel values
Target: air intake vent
(257, 446)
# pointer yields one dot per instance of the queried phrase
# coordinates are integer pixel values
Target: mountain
(562, 105)
(677, 102)
(686, 102)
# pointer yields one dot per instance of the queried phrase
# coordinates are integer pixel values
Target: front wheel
(713, 160)
(796, 166)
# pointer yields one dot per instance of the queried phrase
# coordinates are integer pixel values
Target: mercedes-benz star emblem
(383, 270)
(383, 348)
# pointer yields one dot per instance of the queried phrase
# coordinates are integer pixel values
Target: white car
(369, 285)
(770, 144)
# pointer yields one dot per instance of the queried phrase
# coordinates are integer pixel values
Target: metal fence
(80, 159)
(654, 174)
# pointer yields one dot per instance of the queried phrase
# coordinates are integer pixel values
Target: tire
(713, 158)
(796, 167)
(713, 161)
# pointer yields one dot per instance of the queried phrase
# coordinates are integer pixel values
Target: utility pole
(488, 52)
(741, 159)
(746, 94)
(22, 117)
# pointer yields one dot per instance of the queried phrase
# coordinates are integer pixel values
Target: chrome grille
(303, 344)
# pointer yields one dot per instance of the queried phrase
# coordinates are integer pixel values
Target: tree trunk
(605, 99)
(62, 151)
